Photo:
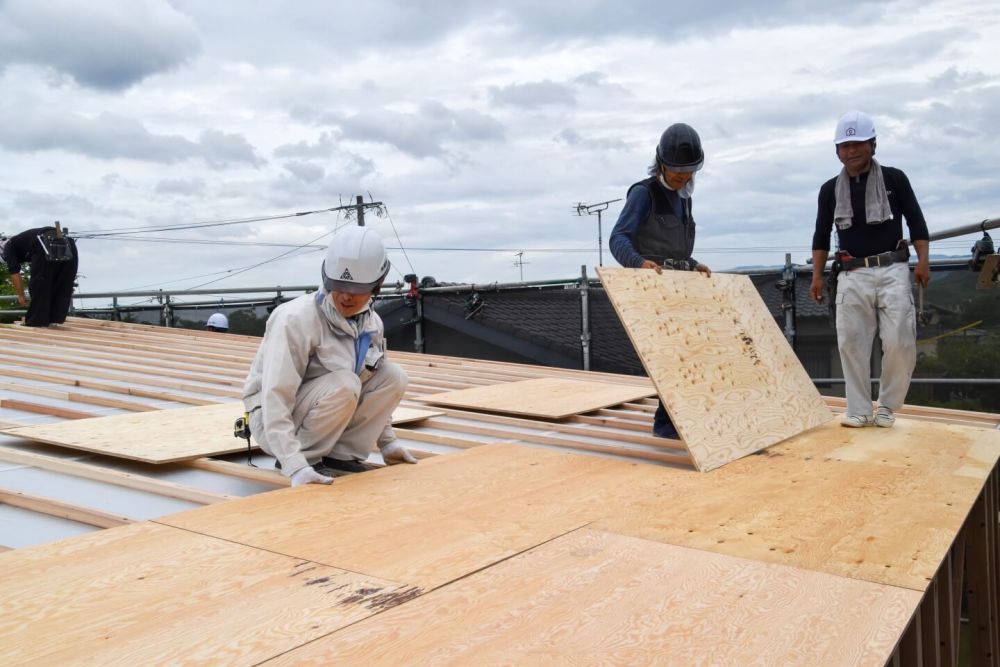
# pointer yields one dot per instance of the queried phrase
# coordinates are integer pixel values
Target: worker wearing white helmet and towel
(320, 391)
(217, 322)
(867, 203)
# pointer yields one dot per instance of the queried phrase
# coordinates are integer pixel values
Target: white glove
(394, 453)
(309, 476)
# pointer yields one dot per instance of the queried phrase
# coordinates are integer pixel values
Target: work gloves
(309, 476)
(394, 453)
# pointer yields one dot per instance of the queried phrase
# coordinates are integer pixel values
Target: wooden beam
(52, 507)
(237, 470)
(25, 406)
(111, 476)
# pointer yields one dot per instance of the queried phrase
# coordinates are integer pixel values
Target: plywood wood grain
(725, 373)
(552, 398)
(402, 415)
(882, 505)
(429, 523)
(163, 436)
(149, 594)
(593, 597)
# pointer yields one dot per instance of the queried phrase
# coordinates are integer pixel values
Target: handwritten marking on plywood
(592, 597)
(552, 398)
(725, 373)
(149, 594)
(426, 524)
(163, 436)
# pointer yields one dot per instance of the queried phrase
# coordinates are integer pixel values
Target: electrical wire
(99, 233)
(399, 241)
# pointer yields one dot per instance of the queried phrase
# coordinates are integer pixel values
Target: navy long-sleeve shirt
(637, 207)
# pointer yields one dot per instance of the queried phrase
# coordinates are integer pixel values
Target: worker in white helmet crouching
(320, 392)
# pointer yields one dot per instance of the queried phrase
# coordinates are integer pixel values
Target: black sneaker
(343, 466)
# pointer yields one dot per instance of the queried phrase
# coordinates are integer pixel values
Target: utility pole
(358, 209)
(591, 209)
(519, 263)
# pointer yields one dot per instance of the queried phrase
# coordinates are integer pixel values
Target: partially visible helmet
(3, 243)
(356, 262)
(218, 321)
(854, 126)
(680, 149)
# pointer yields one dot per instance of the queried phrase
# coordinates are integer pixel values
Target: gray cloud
(220, 149)
(396, 24)
(102, 44)
(181, 186)
(571, 137)
(533, 95)
(424, 133)
(305, 171)
(109, 136)
(323, 147)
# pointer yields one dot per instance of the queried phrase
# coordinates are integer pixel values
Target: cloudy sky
(479, 128)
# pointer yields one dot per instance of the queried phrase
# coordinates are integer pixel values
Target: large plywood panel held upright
(721, 366)
(550, 398)
(163, 436)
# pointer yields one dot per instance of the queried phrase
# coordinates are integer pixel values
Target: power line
(197, 225)
(400, 242)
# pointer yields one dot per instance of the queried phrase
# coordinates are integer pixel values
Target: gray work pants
(338, 416)
(870, 299)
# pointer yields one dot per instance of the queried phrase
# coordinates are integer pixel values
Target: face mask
(683, 193)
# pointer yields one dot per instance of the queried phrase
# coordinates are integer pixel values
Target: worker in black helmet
(656, 227)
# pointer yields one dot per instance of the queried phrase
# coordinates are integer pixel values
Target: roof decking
(582, 537)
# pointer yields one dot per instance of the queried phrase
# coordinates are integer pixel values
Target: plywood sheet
(882, 505)
(402, 415)
(724, 371)
(152, 595)
(552, 398)
(592, 597)
(163, 436)
(425, 524)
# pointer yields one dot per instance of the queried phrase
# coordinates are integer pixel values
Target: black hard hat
(680, 149)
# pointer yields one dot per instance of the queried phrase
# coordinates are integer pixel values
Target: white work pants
(868, 299)
(338, 416)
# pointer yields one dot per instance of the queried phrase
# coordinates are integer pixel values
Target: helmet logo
(850, 132)
(346, 275)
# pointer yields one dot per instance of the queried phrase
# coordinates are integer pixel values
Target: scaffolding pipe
(585, 317)
(966, 229)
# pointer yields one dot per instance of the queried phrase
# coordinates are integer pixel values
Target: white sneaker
(857, 421)
(884, 417)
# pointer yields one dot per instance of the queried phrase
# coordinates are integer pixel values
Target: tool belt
(678, 264)
(849, 263)
(56, 248)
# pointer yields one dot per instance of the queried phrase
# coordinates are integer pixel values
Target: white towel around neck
(877, 209)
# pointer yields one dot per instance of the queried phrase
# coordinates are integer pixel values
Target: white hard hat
(356, 262)
(854, 126)
(218, 320)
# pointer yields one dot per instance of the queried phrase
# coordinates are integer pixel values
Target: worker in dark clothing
(52, 258)
(656, 227)
(867, 203)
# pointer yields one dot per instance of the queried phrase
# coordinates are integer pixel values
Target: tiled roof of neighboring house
(772, 296)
